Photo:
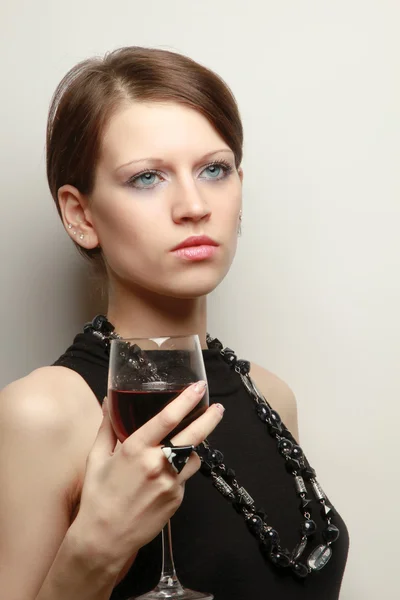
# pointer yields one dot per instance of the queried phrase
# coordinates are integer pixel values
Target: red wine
(131, 409)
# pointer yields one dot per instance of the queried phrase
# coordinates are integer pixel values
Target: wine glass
(146, 374)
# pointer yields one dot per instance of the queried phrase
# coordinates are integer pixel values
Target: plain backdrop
(314, 294)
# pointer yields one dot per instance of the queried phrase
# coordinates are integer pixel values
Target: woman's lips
(196, 253)
(196, 248)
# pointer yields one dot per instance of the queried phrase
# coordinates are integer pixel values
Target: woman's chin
(193, 287)
(190, 292)
(184, 285)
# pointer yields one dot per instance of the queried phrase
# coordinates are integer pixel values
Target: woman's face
(165, 175)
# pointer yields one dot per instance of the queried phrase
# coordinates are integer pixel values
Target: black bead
(280, 558)
(265, 547)
(289, 466)
(201, 450)
(222, 470)
(255, 524)
(275, 430)
(261, 513)
(101, 323)
(204, 453)
(271, 538)
(97, 322)
(230, 358)
(205, 469)
(286, 433)
(135, 351)
(331, 533)
(292, 465)
(214, 344)
(299, 569)
(301, 462)
(308, 473)
(230, 475)
(275, 418)
(215, 458)
(285, 446)
(243, 366)
(238, 507)
(275, 423)
(263, 412)
(228, 351)
(296, 453)
(308, 527)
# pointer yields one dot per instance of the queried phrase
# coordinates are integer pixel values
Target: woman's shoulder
(49, 399)
(279, 395)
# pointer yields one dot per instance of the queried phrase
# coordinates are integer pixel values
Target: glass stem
(168, 577)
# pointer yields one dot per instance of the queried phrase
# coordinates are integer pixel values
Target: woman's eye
(216, 171)
(149, 179)
(145, 180)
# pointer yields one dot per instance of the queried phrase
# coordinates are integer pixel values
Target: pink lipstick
(196, 248)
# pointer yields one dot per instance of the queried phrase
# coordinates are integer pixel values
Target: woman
(143, 155)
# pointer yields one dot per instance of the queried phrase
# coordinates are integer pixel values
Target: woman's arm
(77, 573)
(47, 427)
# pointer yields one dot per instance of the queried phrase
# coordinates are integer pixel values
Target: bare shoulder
(52, 413)
(48, 398)
(279, 395)
(48, 422)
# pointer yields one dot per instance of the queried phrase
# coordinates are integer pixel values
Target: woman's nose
(189, 205)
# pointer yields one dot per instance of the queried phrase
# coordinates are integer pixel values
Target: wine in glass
(145, 375)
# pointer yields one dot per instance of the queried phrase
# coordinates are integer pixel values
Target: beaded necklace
(225, 481)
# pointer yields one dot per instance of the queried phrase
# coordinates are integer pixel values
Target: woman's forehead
(151, 130)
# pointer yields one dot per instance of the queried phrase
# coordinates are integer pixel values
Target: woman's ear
(240, 172)
(76, 217)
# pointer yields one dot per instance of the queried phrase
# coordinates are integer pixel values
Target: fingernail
(220, 407)
(200, 386)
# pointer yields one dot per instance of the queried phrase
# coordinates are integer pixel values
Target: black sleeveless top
(213, 548)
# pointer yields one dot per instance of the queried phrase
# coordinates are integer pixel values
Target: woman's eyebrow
(160, 161)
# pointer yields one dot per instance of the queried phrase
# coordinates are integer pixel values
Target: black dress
(213, 548)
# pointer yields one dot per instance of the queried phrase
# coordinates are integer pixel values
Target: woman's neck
(141, 313)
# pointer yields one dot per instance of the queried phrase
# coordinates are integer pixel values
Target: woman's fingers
(158, 428)
(194, 434)
(197, 431)
(106, 439)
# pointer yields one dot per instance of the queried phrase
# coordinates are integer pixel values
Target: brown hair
(91, 91)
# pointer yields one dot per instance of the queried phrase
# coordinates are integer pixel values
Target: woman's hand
(130, 491)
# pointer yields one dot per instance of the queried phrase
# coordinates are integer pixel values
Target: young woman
(143, 160)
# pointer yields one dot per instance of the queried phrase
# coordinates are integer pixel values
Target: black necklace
(225, 481)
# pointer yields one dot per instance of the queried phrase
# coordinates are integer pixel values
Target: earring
(75, 232)
(240, 224)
